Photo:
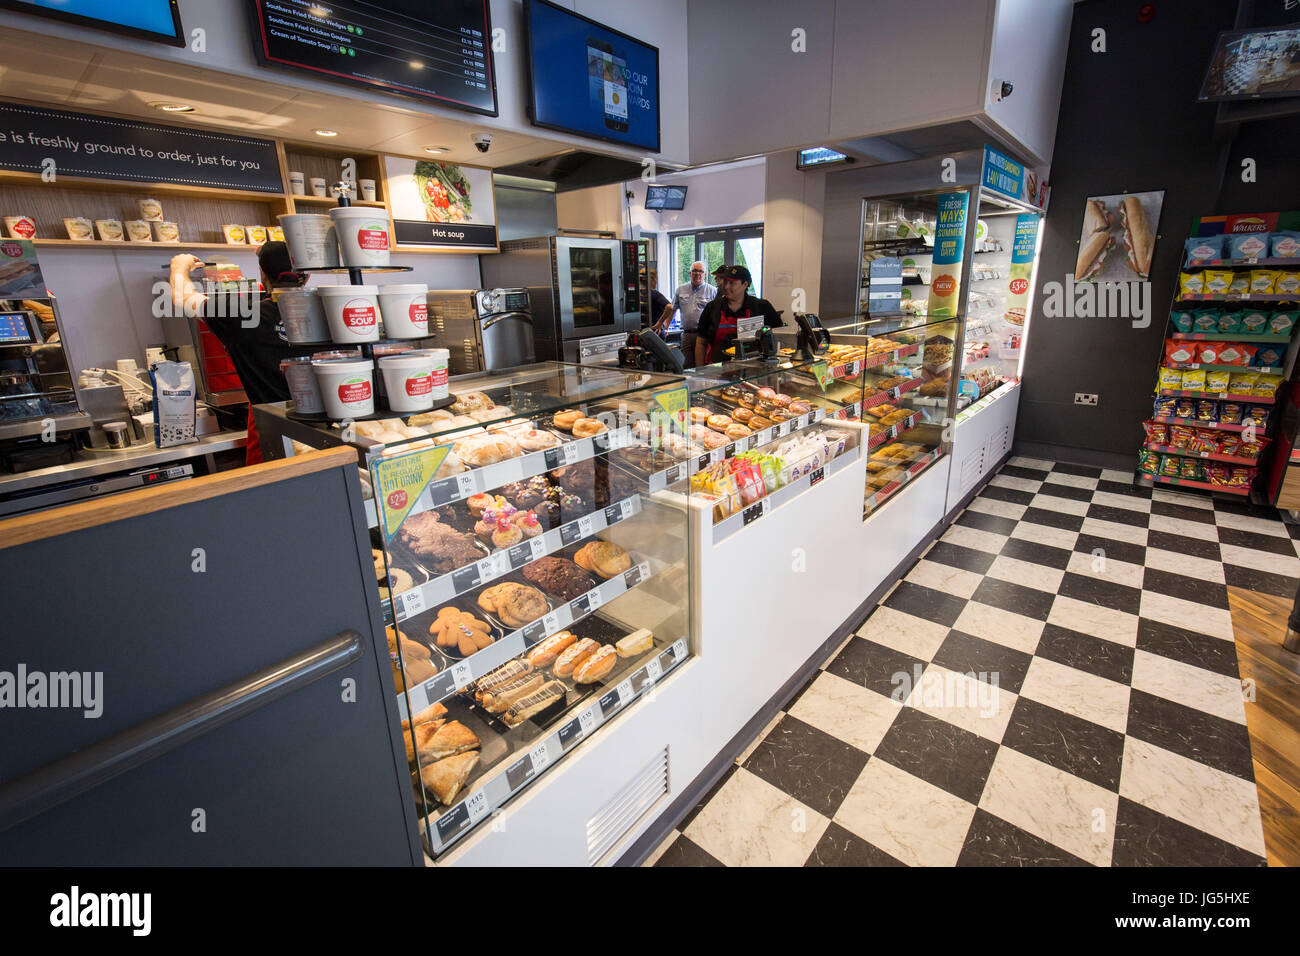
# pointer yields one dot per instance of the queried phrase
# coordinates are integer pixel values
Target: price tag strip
(457, 820)
(444, 587)
(890, 394)
(757, 440)
(466, 671)
(893, 431)
(660, 480)
(918, 466)
(764, 506)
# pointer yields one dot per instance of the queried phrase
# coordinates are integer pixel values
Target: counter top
(106, 462)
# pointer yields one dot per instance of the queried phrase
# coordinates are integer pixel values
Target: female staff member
(718, 320)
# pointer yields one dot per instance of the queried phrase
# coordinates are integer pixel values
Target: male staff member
(717, 327)
(690, 298)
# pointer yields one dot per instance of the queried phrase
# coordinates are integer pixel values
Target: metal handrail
(32, 794)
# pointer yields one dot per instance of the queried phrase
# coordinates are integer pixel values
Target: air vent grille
(629, 805)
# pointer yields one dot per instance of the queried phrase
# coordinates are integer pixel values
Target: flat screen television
(1251, 64)
(590, 80)
(439, 53)
(665, 197)
(146, 19)
(815, 156)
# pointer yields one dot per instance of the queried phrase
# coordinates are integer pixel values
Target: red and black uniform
(718, 322)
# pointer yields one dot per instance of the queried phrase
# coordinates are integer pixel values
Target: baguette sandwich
(1139, 241)
(1092, 253)
(1096, 218)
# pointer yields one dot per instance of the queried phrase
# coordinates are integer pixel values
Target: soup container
(345, 386)
(363, 235)
(311, 239)
(408, 381)
(21, 227)
(150, 210)
(303, 317)
(110, 230)
(352, 312)
(405, 308)
(138, 230)
(165, 231)
(303, 387)
(79, 228)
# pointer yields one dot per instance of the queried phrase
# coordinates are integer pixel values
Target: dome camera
(482, 142)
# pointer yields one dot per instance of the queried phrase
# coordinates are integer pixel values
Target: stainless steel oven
(483, 329)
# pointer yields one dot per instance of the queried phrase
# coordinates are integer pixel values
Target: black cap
(720, 270)
(274, 259)
(739, 273)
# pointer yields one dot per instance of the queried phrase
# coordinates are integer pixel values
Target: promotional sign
(41, 140)
(1247, 222)
(949, 245)
(20, 275)
(1118, 237)
(440, 205)
(669, 415)
(400, 481)
(885, 291)
(1002, 174)
(1024, 240)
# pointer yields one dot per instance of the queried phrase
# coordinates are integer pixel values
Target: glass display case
(533, 540)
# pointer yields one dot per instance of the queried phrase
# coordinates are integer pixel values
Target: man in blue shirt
(690, 299)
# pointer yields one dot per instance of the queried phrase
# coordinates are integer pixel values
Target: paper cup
(79, 228)
(150, 210)
(363, 235)
(303, 387)
(297, 183)
(304, 318)
(345, 387)
(408, 381)
(367, 189)
(21, 227)
(318, 186)
(352, 312)
(311, 239)
(405, 309)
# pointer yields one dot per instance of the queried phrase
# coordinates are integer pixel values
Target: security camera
(482, 141)
(1001, 90)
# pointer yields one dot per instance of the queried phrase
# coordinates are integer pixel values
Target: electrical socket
(1085, 398)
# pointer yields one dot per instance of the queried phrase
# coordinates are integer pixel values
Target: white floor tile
(1122, 501)
(1001, 627)
(1045, 534)
(945, 578)
(1107, 623)
(1201, 568)
(1038, 576)
(1114, 530)
(981, 706)
(1072, 691)
(1022, 462)
(904, 632)
(911, 820)
(1182, 498)
(1200, 618)
(1258, 525)
(1075, 481)
(1260, 560)
(844, 710)
(1103, 568)
(1221, 804)
(1110, 474)
(749, 822)
(1188, 529)
(1050, 502)
(1190, 686)
(975, 538)
(992, 506)
(1014, 482)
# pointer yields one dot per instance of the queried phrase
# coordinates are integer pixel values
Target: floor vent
(999, 444)
(622, 812)
(971, 470)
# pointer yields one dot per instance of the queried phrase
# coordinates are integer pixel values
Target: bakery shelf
(1203, 485)
(1220, 426)
(1221, 396)
(854, 369)
(511, 776)
(1228, 337)
(894, 431)
(332, 201)
(890, 394)
(454, 583)
(1195, 366)
(1201, 263)
(757, 440)
(878, 498)
(750, 513)
(464, 672)
(1240, 297)
(1209, 456)
(849, 413)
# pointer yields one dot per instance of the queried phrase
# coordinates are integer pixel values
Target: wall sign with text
(441, 205)
(104, 147)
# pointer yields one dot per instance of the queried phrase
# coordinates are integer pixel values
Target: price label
(520, 772)
(817, 475)
(601, 443)
(570, 532)
(552, 622)
(534, 632)
(632, 577)
(413, 602)
(462, 579)
(626, 691)
(639, 680)
(444, 491)
(461, 674)
(477, 805)
(595, 598)
(609, 703)
(436, 688)
(586, 525)
(553, 457)
(540, 757)
(587, 719)
(538, 546)
(521, 554)
(573, 451)
(580, 606)
(752, 513)
(465, 484)
(783, 429)
(629, 507)
(702, 462)
(452, 822)
(653, 669)
(718, 454)
(570, 734)
(612, 514)
(819, 414)
(1253, 260)
(673, 475)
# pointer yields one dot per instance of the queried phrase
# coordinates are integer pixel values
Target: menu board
(440, 52)
(441, 205)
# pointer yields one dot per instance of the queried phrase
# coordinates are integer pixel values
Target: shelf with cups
(332, 201)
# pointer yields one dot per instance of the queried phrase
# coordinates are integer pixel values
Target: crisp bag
(173, 403)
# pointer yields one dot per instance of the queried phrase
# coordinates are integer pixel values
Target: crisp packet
(1230, 413)
(1284, 245)
(1261, 281)
(1251, 449)
(1240, 283)
(1169, 466)
(1182, 319)
(1180, 351)
(1268, 355)
(1217, 381)
(1157, 433)
(1204, 440)
(1190, 469)
(1184, 408)
(1205, 320)
(1165, 407)
(1266, 385)
(1243, 383)
(1148, 462)
(1191, 283)
(1207, 410)
(1256, 415)
(1217, 281)
(1287, 282)
(1235, 353)
(1248, 245)
(1194, 381)
(1282, 321)
(1218, 474)
(1253, 322)
(1170, 379)
(1229, 322)
(1204, 247)
(1229, 443)
(1242, 477)
(1180, 436)
(1207, 353)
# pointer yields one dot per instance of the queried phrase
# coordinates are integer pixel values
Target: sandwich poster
(441, 205)
(1118, 238)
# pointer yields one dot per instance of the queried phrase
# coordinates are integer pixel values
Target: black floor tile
(1247, 510)
(1190, 733)
(1014, 495)
(925, 602)
(809, 764)
(682, 852)
(991, 841)
(873, 666)
(1185, 512)
(957, 556)
(1207, 547)
(1086, 653)
(1034, 474)
(1200, 650)
(1144, 837)
(1264, 581)
(839, 847)
(1084, 471)
(1007, 596)
(1273, 543)
(1066, 742)
(1123, 488)
(1187, 588)
(695, 811)
(1053, 519)
(1053, 490)
(1036, 553)
(1103, 593)
(944, 755)
(967, 654)
(1113, 550)
(986, 522)
(1137, 519)
(1292, 529)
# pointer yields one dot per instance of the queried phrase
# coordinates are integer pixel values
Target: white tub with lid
(408, 380)
(303, 389)
(441, 359)
(352, 312)
(405, 308)
(363, 235)
(311, 240)
(303, 317)
(345, 386)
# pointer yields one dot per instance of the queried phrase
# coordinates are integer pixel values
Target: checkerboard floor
(1053, 683)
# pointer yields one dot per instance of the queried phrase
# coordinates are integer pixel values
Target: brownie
(559, 577)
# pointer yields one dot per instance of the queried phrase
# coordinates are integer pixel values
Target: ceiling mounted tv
(1252, 64)
(440, 52)
(590, 80)
(146, 19)
(665, 197)
(815, 156)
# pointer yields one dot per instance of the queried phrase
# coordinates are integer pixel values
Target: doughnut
(758, 422)
(738, 431)
(718, 422)
(767, 393)
(566, 418)
(586, 427)
(782, 399)
(742, 415)
(699, 415)
(799, 407)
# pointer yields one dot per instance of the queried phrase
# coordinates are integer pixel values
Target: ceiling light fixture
(437, 149)
(173, 107)
(326, 132)
(417, 65)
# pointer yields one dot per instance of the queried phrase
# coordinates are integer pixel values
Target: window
(730, 245)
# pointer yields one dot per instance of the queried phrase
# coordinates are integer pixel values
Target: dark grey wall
(523, 213)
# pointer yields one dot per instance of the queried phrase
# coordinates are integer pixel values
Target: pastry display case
(530, 542)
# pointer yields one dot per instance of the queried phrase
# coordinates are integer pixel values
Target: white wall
(792, 234)
(1035, 70)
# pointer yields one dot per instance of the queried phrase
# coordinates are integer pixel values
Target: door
(730, 246)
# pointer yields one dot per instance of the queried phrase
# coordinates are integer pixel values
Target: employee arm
(666, 317)
(701, 350)
(184, 294)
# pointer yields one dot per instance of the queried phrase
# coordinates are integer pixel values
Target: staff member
(718, 320)
(255, 351)
(690, 299)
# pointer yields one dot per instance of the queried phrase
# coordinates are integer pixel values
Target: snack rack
(1224, 358)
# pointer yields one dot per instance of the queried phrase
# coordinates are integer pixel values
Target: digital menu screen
(591, 80)
(435, 51)
(13, 328)
(148, 19)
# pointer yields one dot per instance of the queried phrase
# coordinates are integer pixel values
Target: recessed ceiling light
(437, 149)
(417, 65)
(173, 107)
(326, 132)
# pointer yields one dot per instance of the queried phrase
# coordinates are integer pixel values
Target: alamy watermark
(1098, 300)
(948, 690)
(77, 690)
